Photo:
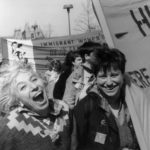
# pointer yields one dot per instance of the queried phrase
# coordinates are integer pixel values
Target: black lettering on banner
(134, 79)
(65, 43)
(57, 43)
(144, 18)
(61, 43)
(140, 78)
(146, 77)
(80, 41)
(69, 42)
(135, 75)
(44, 44)
(98, 37)
(50, 43)
(147, 10)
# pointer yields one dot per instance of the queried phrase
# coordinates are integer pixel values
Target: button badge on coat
(101, 135)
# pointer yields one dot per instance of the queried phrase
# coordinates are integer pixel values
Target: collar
(123, 116)
(103, 101)
(26, 110)
(88, 69)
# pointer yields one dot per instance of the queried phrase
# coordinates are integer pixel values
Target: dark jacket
(96, 129)
(60, 85)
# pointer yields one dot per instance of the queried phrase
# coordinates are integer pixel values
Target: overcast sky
(15, 13)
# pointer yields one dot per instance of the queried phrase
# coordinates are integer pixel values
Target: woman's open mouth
(111, 89)
(39, 97)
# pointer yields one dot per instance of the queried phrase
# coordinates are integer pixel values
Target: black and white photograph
(75, 75)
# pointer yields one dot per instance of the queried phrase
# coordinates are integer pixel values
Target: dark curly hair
(111, 58)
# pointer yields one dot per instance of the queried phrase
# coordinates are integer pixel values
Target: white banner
(128, 22)
(39, 52)
(70, 42)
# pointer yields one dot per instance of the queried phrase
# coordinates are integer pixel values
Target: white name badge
(100, 138)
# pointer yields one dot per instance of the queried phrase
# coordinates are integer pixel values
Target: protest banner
(40, 51)
(126, 26)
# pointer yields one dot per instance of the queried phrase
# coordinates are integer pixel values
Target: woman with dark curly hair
(113, 114)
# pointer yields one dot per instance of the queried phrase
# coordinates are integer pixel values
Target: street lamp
(68, 7)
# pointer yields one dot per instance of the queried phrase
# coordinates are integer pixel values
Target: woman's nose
(34, 87)
(109, 81)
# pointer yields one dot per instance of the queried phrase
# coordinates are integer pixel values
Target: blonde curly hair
(8, 74)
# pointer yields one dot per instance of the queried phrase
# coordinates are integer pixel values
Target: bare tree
(86, 21)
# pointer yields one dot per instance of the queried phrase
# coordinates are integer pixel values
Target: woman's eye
(22, 87)
(34, 79)
(114, 75)
(102, 76)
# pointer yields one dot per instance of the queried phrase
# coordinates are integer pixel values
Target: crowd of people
(80, 104)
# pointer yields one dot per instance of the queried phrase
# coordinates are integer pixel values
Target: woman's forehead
(78, 58)
(24, 75)
(109, 69)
